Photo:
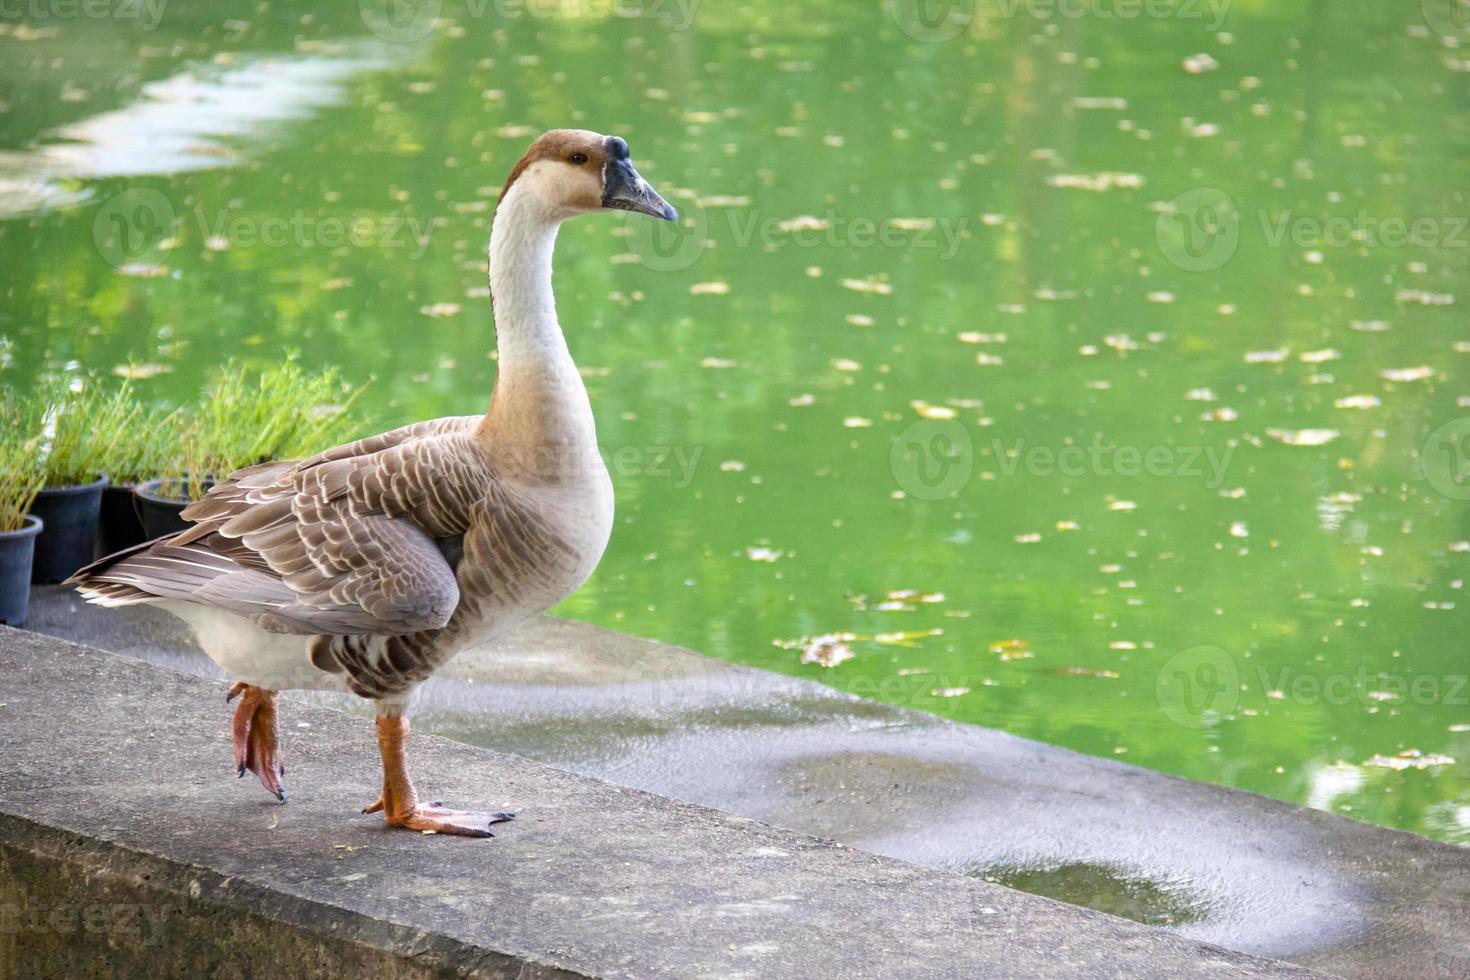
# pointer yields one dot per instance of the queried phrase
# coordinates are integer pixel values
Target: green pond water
(1097, 377)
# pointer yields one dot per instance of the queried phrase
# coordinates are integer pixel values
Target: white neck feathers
(540, 407)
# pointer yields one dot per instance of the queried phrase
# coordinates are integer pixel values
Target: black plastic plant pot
(69, 537)
(17, 548)
(159, 514)
(119, 527)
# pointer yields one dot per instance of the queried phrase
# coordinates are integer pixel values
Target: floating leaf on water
(142, 270)
(1012, 649)
(141, 372)
(827, 650)
(1095, 182)
(724, 201)
(803, 222)
(905, 638)
(1423, 298)
(1409, 759)
(1198, 64)
(929, 411)
(1083, 672)
(868, 285)
(1266, 356)
(1303, 437)
(1419, 373)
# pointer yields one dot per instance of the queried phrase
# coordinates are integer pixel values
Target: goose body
(368, 566)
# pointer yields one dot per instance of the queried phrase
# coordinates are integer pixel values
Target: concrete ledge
(126, 847)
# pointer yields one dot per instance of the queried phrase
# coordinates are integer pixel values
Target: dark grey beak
(624, 190)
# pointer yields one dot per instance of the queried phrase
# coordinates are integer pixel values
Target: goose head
(568, 172)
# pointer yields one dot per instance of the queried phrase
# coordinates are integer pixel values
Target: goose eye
(579, 158)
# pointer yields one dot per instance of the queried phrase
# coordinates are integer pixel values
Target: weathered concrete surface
(1227, 867)
(126, 850)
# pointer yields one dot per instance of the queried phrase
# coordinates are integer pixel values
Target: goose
(365, 568)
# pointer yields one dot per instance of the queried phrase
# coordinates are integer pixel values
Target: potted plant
(71, 417)
(143, 442)
(20, 478)
(159, 502)
(243, 419)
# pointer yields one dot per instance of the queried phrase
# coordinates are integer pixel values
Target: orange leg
(256, 737)
(400, 804)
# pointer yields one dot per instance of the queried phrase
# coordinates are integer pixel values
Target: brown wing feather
(342, 543)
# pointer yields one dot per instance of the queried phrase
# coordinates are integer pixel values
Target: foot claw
(438, 820)
(256, 744)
